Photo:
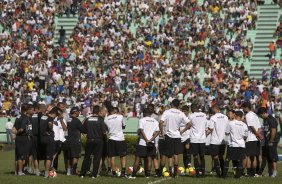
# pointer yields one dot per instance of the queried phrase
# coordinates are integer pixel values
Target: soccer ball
(166, 174)
(191, 171)
(118, 172)
(164, 169)
(141, 170)
(180, 170)
(52, 174)
(130, 170)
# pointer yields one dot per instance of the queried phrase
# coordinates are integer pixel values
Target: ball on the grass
(164, 169)
(130, 170)
(166, 174)
(52, 174)
(180, 170)
(141, 170)
(118, 172)
(192, 171)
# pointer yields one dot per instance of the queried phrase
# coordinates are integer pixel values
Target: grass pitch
(7, 176)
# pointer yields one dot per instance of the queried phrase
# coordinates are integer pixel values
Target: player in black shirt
(35, 139)
(47, 137)
(271, 141)
(95, 131)
(75, 129)
(23, 140)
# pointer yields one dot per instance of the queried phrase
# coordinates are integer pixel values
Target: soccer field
(7, 176)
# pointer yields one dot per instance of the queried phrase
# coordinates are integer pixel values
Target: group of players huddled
(42, 132)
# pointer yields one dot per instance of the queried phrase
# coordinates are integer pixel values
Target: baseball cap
(74, 109)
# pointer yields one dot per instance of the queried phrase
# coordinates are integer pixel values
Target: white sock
(46, 174)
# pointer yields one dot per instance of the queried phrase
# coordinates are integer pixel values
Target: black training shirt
(95, 127)
(45, 130)
(272, 123)
(75, 128)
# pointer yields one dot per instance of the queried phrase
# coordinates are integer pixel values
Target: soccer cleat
(21, 174)
(93, 178)
(257, 176)
(37, 173)
(131, 177)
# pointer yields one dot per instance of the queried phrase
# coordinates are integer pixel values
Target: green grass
(7, 176)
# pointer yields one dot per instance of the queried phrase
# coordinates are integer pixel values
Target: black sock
(156, 171)
(123, 171)
(221, 161)
(217, 167)
(170, 170)
(203, 166)
(175, 170)
(148, 173)
(197, 166)
(249, 171)
(74, 168)
(109, 169)
(226, 167)
(160, 173)
(133, 174)
(114, 173)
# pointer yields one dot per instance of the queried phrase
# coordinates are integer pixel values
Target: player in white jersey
(148, 129)
(198, 127)
(156, 116)
(185, 140)
(253, 140)
(173, 118)
(116, 143)
(238, 132)
(217, 127)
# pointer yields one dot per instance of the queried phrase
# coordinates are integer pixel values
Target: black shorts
(74, 150)
(207, 149)
(253, 148)
(58, 146)
(116, 148)
(105, 149)
(184, 150)
(271, 153)
(161, 147)
(173, 146)
(198, 148)
(264, 151)
(23, 147)
(49, 147)
(35, 147)
(217, 149)
(145, 151)
(236, 153)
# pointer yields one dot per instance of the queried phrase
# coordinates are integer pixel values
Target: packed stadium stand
(130, 53)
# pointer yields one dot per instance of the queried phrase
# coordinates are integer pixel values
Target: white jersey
(238, 130)
(227, 136)
(185, 135)
(218, 123)
(149, 126)
(173, 119)
(208, 137)
(59, 134)
(252, 120)
(114, 124)
(198, 130)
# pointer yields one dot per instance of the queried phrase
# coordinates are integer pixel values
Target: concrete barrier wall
(131, 127)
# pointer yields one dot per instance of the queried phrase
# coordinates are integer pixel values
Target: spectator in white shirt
(9, 126)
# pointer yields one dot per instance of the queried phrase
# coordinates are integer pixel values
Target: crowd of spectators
(130, 53)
